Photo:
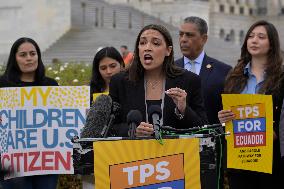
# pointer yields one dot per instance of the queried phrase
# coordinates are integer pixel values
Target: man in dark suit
(192, 38)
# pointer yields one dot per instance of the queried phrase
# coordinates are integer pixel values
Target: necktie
(192, 68)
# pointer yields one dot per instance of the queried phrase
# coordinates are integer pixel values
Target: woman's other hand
(225, 116)
(144, 129)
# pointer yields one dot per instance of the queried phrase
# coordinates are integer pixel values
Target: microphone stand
(132, 131)
(114, 112)
(157, 130)
(105, 130)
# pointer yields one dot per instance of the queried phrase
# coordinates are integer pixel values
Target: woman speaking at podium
(153, 79)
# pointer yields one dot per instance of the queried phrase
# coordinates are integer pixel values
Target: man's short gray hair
(199, 22)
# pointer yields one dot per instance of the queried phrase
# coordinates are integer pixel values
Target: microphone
(155, 112)
(134, 118)
(97, 117)
(114, 112)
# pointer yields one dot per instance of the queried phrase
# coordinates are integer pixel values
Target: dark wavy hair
(136, 70)
(237, 80)
(97, 83)
(13, 72)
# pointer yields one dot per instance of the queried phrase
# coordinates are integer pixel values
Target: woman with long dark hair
(259, 71)
(106, 63)
(153, 79)
(25, 68)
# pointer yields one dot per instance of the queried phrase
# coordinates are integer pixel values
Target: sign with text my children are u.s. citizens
(137, 164)
(250, 144)
(36, 125)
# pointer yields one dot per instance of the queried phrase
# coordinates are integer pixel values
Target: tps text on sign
(249, 125)
(161, 173)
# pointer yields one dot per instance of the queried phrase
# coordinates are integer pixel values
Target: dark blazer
(278, 126)
(281, 130)
(277, 100)
(131, 96)
(46, 81)
(213, 74)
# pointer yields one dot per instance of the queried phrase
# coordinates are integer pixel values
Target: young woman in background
(106, 63)
(25, 68)
(259, 71)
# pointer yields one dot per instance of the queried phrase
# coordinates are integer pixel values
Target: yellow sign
(95, 95)
(36, 127)
(250, 144)
(137, 164)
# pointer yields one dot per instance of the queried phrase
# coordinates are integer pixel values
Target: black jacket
(131, 96)
(46, 81)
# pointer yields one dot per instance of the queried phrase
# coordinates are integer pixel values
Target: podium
(192, 158)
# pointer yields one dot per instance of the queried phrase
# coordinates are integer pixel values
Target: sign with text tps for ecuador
(36, 126)
(137, 164)
(250, 145)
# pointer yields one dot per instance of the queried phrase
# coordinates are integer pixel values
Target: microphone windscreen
(97, 117)
(155, 109)
(134, 116)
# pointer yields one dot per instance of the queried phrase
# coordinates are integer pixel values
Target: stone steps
(84, 38)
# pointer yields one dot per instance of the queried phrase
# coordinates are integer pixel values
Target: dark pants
(250, 180)
(211, 165)
(255, 180)
(32, 182)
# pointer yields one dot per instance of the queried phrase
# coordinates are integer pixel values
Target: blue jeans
(32, 182)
